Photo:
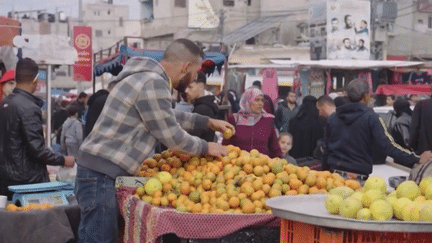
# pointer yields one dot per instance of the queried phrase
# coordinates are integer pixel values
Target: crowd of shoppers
(110, 133)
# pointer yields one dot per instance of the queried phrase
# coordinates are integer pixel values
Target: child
(72, 133)
(285, 142)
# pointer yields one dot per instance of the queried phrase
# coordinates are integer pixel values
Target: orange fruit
(157, 194)
(248, 207)
(310, 180)
(207, 184)
(258, 170)
(266, 169)
(185, 188)
(291, 192)
(266, 188)
(171, 197)
(164, 201)
(156, 201)
(326, 174)
(234, 202)
(321, 182)
(285, 188)
(339, 182)
(293, 176)
(275, 192)
(257, 184)
(353, 184)
(313, 190)
(196, 208)
(304, 189)
(242, 196)
(166, 187)
(249, 191)
(295, 184)
(248, 168)
(301, 174)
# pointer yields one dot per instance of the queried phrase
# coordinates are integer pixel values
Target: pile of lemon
(409, 202)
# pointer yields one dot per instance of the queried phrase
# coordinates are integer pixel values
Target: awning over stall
(114, 64)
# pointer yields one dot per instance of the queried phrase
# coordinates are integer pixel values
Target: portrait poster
(348, 29)
(317, 30)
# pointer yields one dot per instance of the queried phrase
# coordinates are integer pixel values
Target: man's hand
(217, 150)
(69, 161)
(220, 126)
(425, 156)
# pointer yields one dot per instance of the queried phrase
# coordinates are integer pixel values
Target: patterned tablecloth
(145, 222)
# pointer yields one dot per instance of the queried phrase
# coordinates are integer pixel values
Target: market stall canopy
(46, 49)
(403, 89)
(348, 64)
(114, 64)
(8, 57)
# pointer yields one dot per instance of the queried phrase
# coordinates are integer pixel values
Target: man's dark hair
(72, 110)
(257, 83)
(201, 78)
(343, 41)
(82, 95)
(340, 100)
(392, 97)
(346, 17)
(362, 41)
(182, 50)
(356, 89)
(364, 21)
(26, 70)
(334, 19)
(325, 99)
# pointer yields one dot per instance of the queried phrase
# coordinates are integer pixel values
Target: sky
(70, 7)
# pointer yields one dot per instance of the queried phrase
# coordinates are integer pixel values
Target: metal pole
(48, 91)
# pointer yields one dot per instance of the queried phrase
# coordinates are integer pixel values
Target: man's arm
(154, 107)
(386, 141)
(32, 130)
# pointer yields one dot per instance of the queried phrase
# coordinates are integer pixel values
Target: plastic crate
(296, 232)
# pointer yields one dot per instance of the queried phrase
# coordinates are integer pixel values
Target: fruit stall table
(59, 224)
(314, 224)
(147, 223)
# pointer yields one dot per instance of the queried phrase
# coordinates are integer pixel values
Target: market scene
(207, 121)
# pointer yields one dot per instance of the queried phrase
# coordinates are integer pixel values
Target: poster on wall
(348, 29)
(317, 30)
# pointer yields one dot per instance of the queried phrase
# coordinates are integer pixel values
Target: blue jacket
(350, 133)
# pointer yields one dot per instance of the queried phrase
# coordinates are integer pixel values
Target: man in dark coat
(23, 154)
(421, 129)
(80, 103)
(351, 133)
(95, 104)
(204, 104)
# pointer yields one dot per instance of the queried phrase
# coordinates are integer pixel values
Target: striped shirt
(136, 115)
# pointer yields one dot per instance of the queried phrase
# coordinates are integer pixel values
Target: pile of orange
(32, 206)
(240, 182)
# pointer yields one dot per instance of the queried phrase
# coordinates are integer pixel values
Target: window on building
(180, 3)
(228, 3)
(121, 21)
(430, 22)
(109, 12)
(249, 2)
(98, 33)
(109, 32)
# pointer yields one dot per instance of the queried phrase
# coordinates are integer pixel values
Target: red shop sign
(83, 68)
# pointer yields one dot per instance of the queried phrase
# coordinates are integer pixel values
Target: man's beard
(184, 82)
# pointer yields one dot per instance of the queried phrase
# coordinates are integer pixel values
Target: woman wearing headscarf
(306, 128)
(400, 130)
(7, 84)
(254, 127)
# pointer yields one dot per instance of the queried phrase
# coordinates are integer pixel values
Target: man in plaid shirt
(137, 115)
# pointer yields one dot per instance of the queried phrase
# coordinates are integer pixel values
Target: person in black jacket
(95, 104)
(400, 131)
(421, 128)
(23, 154)
(351, 131)
(203, 104)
